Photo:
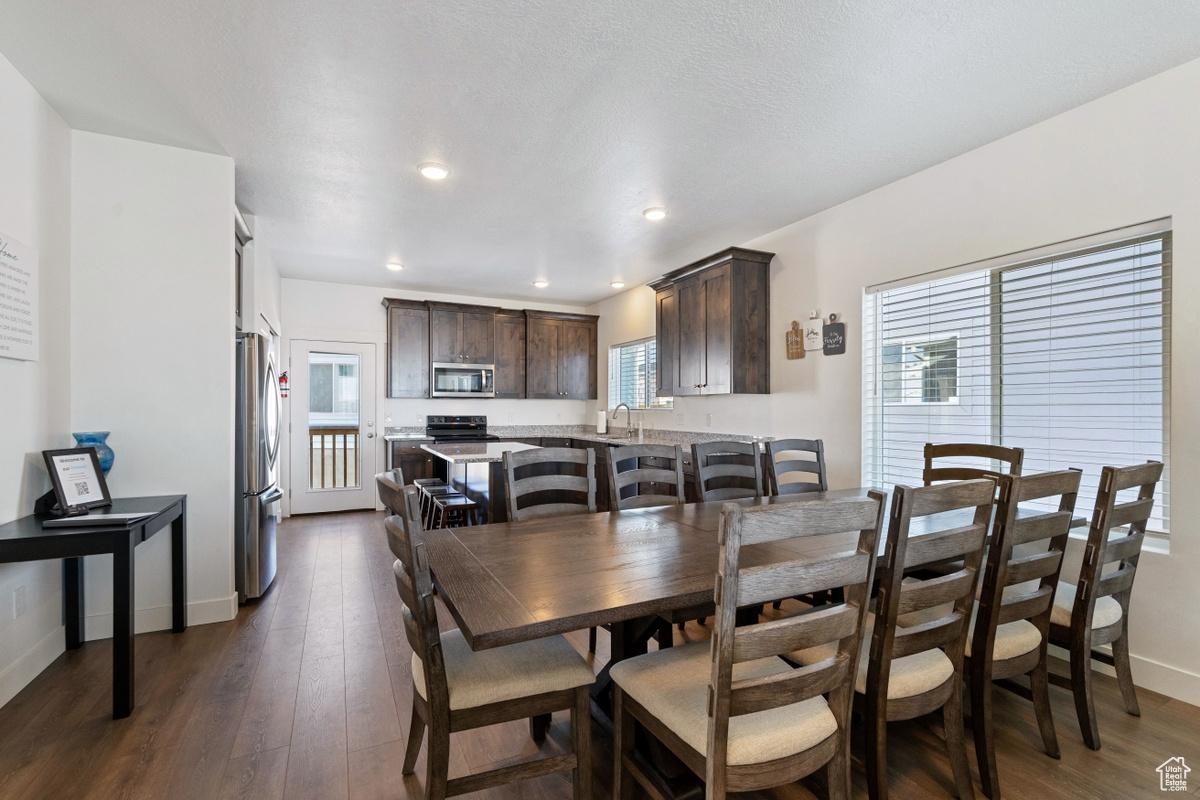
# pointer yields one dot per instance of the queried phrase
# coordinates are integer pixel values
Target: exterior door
(333, 434)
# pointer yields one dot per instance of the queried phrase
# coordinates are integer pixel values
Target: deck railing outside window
(333, 458)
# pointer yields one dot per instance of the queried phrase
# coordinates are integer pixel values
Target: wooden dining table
(518, 581)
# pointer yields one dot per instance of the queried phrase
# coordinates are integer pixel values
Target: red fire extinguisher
(283, 386)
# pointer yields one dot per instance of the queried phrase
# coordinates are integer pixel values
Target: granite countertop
(587, 433)
(475, 452)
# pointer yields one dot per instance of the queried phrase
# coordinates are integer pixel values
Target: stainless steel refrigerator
(256, 472)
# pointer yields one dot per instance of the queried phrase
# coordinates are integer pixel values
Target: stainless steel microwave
(464, 380)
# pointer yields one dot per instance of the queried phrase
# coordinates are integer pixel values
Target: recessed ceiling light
(618, 284)
(433, 170)
(395, 266)
(541, 284)
(656, 213)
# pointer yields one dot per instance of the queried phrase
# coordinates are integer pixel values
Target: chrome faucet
(628, 413)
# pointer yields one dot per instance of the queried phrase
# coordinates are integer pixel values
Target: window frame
(614, 384)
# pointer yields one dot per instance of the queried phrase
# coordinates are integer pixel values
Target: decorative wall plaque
(833, 337)
(795, 341)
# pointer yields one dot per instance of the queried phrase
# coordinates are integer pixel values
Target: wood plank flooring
(307, 695)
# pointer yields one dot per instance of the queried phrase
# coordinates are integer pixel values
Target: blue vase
(97, 439)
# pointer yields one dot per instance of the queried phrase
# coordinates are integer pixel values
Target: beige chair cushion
(505, 673)
(672, 685)
(1012, 639)
(911, 675)
(1107, 611)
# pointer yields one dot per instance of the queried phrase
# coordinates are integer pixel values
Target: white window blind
(633, 375)
(1066, 356)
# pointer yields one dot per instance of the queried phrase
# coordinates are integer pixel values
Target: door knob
(370, 436)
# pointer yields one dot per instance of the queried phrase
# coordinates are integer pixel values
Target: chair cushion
(672, 685)
(505, 673)
(1107, 611)
(1012, 639)
(911, 675)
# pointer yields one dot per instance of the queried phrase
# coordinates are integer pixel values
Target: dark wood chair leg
(837, 771)
(1120, 651)
(623, 741)
(591, 640)
(1081, 687)
(538, 726)
(581, 743)
(665, 636)
(416, 732)
(956, 744)
(437, 762)
(875, 757)
(1039, 685)
(981, 727)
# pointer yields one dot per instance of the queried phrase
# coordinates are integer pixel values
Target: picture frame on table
(77, 478)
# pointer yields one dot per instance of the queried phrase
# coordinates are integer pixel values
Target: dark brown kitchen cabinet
(461, 334)
(714, 317)
(510, 354)
(413, 462)
(560, 356)
(408, 348)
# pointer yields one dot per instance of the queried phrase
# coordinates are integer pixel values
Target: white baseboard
(1153, 675)
(29, 666)
(158, 618)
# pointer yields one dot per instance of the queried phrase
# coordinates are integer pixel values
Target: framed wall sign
(834, 337)
(77, 478)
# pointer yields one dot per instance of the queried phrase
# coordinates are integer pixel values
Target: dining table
(519, 581)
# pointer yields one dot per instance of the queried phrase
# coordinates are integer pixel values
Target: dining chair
(1010, 628)
(390, 485)
(733, 711)
(457, 689)
(797, 466)
(907, 672)
(1010, 456)
(727, 470)
(652, 470)
(546, 482)
(1095, 611)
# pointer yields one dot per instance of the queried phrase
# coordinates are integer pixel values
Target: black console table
(25, 539)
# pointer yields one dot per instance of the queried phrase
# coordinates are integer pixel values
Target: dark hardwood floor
(307, 693)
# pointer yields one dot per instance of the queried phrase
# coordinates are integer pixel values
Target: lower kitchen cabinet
(413, 462)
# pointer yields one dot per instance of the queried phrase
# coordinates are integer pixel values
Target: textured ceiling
(562, 119)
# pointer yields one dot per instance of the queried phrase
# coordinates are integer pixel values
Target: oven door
(463, 380)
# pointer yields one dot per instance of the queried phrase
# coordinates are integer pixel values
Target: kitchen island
(475, 469)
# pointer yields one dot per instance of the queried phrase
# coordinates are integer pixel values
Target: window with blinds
(1065, 354)
(633, 375)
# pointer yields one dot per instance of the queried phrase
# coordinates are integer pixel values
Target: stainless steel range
(443, 429)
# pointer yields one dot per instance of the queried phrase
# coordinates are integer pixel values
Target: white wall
(1126, 158)
(152, 355)
(35, 209)
(345, 313)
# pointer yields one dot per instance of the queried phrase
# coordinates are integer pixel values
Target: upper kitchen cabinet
(461, 334)
(713, 325)
(407, 347)
(560, 359)
(510, 354)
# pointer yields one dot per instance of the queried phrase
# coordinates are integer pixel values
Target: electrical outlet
(19, 602)
(388, 419)
(511, 417)
(708, 419)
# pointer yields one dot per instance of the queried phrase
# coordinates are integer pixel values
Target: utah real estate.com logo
(1172, 775)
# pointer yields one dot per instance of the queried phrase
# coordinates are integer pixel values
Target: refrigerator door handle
(272, 494)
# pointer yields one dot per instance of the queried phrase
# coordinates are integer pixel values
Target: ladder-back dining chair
(1010, 629)
(457, 689)
(732, 710)
(797, 466)
(654, 471)
(1009, 457)
(727, 470)
(549, 482)
(1095, 610)
(390, 485)
(908, 672)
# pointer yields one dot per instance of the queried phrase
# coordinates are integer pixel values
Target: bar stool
(454, 511)
(427, 486)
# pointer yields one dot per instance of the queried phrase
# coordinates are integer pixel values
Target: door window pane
(334, 389)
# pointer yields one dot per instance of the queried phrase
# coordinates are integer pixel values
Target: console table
(25, 539)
